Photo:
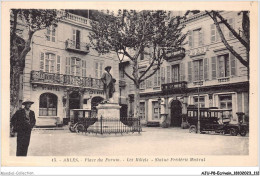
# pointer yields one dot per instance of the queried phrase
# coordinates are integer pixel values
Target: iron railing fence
(104, 125)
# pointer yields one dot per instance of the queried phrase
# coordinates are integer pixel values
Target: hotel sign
(198, 51)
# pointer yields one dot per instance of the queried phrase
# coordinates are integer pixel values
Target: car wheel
(193, 129)
(80, 128)
(72, 129)
(233, 131)
(242, 132)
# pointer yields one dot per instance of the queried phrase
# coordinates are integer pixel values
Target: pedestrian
(23, 121)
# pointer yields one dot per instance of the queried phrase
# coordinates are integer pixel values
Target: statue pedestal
(109, 110)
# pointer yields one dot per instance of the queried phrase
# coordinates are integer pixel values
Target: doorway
(176, 110)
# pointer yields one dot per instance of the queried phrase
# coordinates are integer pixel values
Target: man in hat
(109, 82)
(23, 121)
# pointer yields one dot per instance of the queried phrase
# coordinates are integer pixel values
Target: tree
(31, 20)
(130, 33)
(243, 36)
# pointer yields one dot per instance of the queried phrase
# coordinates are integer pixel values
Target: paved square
(151, 142)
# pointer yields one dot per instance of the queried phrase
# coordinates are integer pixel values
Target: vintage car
(81, 119)
(214, 120)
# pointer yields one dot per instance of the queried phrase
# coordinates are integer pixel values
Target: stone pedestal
(109, 110)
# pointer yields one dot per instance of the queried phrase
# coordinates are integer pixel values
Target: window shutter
(101, 69)
(58, 64)
(213, 33)
(189, 72)
(168, 69)
(46, 62)
(214, 67)
(42, 61)
(231, 23)
(232, 64)
(206, 69)
(163, 75)
(96, 69)
(190, 39)
(53, 33)
(67, 66)
(217, 33)
(74, 37)
(196, 70)
(155, 78)
(84, 68)
(201, 42)
(182, 72)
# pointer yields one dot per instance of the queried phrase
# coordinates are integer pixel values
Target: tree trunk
(137, 102)
(14, 89)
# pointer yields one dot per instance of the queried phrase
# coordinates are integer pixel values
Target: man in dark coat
(109, 83)
(23, 121)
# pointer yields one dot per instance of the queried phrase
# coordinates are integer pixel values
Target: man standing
(23, 121)
(109, 82)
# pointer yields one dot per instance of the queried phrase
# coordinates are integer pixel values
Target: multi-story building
(62, 72)
(204, 72)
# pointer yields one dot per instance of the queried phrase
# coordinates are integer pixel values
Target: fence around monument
(104, 125)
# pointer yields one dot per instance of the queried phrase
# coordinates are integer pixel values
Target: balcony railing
(176, 87)
(74, 18)
(175, 55)
(220, 80)
(78, 47)
(66, 80)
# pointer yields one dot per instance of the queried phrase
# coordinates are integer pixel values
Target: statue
(109, 83)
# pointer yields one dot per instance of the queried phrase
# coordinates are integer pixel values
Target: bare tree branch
(224, 21)
(244, 62)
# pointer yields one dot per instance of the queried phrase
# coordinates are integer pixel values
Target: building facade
(204, 72)
(62, 72)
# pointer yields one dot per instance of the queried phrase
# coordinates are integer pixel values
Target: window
(50, 62)
(48, 105)
(198, 70)
(76, 38)
(142, 110)
(157, 78)
(76, 66)
(98, 69)
(156, 110)
(225, 102)
(226, 32)
(195, 38)
(200, 101)
(223, 66)
(51, 34)
(175, 73)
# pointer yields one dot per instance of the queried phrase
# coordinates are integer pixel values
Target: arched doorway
(176, 110)
(74, 101)
(94, 103)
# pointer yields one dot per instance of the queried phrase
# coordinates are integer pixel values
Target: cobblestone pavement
(151, 142)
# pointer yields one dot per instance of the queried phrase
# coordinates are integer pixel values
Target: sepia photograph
(123, 86)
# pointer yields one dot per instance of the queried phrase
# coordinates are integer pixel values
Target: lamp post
(159, 104)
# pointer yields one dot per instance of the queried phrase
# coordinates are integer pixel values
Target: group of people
(24, 120)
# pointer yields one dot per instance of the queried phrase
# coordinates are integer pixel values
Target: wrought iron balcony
(40, 77)
(175, 87)
(173, 55)
(77, 47)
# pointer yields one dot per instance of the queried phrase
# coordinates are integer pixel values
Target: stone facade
(62, 72)
(204, 66)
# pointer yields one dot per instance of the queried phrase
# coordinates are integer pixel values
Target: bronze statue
(109, 83)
